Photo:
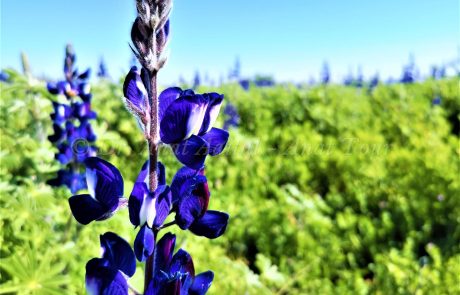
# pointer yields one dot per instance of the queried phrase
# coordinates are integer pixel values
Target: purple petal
(85, 75)
(61, 113)
(162, 206)
(144, 244)
(140, 191)
(101, 279)
(161, 173)
(177, 185)
(212, 225)
(166, 98)
(86, 209)
(194, 203)
(147, 213)
(118, 253)
(165, 287)
(192, 152)
(105, 182)
(164, 253)
(217, 140)
(201, 283)
(143, 174)
(182, 262)
(58, 135)
(65, 154)
(52, 88)
(167, 28)
(60, 87)
(212, 111)
(134, 89)
(145, 76)
(83, 111)
(182, 118)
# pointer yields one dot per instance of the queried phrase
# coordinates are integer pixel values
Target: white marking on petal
(213, 113)
(92, 286)
(86, 88)
(195, 120)
(141, 87)
(91, 181)
(148, 211)
(61, 111)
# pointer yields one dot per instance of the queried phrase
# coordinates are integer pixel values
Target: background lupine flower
(232, 116)
(4, 77)
(102, 71)
(175, 274)
(437, 100)
(75, 181)
(374, 81)
(106, 275)
(73, 134)
(264, 81)
(325, 74)
(360, 79)
(244, 83)
(196, 80)
(410, 72)
(105, 186)
(348, 81)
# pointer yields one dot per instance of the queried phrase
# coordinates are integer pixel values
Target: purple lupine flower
(61, 113)
(196, 80)
(105, 186)
(59, 134)
(73, 140)
(148, 210)
(186, 121)
(437, 100)
(102, 72)
(175, 274)
(82, 111)
(190, 199)
(136, 95)
(348, 81)
(232, 116)
(244, 83)
(107, 275)
(78, 86)
(181, 119)
(75, 181)
(4, 77)
(409, 74)
(64, 154)
(374, 81)
(325, 74)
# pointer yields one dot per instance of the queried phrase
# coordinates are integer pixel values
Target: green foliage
(331, 190)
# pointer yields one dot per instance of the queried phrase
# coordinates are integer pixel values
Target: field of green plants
(331, 190)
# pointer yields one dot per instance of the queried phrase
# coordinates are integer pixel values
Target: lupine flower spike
(183, 120)
(73, 134)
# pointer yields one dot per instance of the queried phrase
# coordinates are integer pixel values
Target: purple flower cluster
(73, 134)
(232, 116)
(183, 120)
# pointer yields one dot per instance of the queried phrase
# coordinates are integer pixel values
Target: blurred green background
(331, 190)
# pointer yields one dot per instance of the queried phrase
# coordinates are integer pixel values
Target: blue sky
(288, 39)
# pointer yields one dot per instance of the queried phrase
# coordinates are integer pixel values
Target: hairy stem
(153, 159)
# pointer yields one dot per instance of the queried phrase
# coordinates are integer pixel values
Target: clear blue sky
(289, 39)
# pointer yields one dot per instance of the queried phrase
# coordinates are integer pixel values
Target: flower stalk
(179, 118)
